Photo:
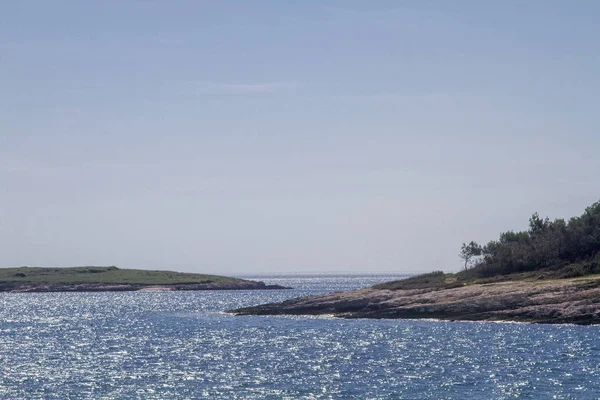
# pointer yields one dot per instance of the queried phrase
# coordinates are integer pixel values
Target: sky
(290, 136)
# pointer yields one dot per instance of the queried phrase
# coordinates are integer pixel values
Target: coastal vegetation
(549, 273)
(548, 249)
(105, 275)
(558, 248)
(95, 279)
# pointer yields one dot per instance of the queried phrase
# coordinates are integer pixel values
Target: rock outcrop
(574, 301)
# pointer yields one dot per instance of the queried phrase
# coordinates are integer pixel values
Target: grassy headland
(104, 275)
(29, 279)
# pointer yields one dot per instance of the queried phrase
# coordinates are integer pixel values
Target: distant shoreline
(113, 279)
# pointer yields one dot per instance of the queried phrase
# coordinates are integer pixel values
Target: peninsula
(547, 274)
(96, 279)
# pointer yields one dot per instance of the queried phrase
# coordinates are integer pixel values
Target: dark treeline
(566, 249)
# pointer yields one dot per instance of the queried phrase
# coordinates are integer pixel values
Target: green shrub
(545, 245)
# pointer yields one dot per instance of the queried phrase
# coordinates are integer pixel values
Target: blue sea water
(180, 345)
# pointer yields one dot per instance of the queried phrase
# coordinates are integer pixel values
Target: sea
(181, 345)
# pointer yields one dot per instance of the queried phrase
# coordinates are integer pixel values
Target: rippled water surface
(181, 346)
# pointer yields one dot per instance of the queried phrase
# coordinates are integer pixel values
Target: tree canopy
(556, 245)
(469, 252)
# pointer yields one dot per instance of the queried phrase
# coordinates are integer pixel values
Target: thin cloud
(578, 182)
(239, 89)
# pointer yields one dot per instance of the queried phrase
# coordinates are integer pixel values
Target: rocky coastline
(551, 301)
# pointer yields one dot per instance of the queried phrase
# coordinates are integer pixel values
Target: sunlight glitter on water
(181, 345)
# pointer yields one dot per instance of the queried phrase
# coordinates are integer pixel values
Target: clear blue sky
(290, 136)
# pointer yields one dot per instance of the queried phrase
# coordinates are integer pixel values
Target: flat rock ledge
(133, 287)
(573, 301)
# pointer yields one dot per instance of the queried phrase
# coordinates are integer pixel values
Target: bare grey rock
(574, 301)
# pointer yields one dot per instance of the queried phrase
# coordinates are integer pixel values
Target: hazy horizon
(290, 137)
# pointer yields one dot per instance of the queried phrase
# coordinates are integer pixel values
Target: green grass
(112, 275)
(439, 280)
(432, 280)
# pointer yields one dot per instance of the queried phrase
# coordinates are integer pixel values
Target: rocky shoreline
(29, 287)
(556, 301)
